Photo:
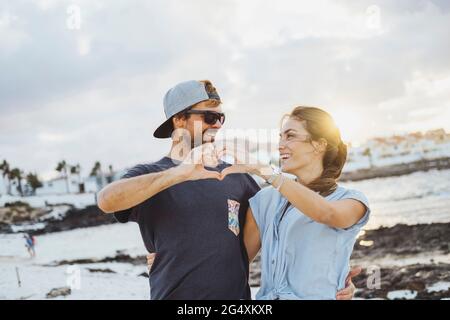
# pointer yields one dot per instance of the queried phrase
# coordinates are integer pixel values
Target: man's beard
(206, 138)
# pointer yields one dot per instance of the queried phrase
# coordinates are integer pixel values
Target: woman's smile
(285, 156)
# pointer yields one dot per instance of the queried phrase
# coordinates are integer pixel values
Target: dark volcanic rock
(90, 216)
(404, 240)
(397, 169)
(413, 277)
(120, 257)
(21, 214)
(107, 270)
(59, 292)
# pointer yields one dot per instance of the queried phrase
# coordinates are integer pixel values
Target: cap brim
(164, 130)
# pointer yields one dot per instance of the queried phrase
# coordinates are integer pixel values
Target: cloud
(95, 92)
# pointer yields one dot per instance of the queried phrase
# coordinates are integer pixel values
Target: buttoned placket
(276, 259)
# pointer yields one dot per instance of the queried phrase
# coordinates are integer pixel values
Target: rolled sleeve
(359, 196)
(130, 214)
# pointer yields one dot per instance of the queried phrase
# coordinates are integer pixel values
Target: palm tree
(4, 168)
(111, 174)
(77, 170)
(368, 153)
(62, 168)
(97, 172)
(33, 181)
(96, 169)
(17, 174)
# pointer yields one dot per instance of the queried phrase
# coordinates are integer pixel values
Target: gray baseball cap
(179, 98)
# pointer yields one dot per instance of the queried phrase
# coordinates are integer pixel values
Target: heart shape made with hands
(207, 155)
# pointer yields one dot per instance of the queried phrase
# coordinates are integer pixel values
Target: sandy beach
(87, 255)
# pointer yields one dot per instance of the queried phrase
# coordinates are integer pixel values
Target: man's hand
(193, 166)
(348, 292)
(127, 193)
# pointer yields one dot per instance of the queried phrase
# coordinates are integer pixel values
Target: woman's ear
(320, 145)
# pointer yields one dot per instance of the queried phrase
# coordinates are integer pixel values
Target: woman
(307, 227)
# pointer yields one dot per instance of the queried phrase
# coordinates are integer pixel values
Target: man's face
(200, 131)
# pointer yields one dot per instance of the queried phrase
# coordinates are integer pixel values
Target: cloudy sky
(83, 80)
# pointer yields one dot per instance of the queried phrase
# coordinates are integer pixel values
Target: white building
(72, 185)
(3, 183)
(61, 186)
(399, 149)
(12, 186)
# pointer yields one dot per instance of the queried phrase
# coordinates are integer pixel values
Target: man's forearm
(127, 193)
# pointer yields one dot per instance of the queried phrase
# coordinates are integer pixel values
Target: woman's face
(295, 147)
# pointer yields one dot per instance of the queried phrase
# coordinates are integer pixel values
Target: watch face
(272, 178)
(275, 169)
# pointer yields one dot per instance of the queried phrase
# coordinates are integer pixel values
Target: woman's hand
(150, 260)
(244, 163)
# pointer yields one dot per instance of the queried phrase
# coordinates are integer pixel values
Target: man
(186, 213)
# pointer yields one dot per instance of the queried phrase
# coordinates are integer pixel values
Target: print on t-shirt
(233, 216)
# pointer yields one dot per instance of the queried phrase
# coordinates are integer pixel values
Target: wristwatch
(275, 173)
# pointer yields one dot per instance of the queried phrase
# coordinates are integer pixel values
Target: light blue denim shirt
(301, 258)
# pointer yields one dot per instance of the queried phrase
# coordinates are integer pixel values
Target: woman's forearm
(307, 201)
(337, 214)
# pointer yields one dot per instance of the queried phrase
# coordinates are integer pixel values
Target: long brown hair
(320, 125)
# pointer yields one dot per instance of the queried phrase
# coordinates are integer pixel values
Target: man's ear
(179, 128)
(178, 121)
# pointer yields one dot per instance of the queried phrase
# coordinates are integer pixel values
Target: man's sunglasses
(210, 117)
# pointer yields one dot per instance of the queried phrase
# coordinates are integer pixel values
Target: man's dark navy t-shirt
(196, 230)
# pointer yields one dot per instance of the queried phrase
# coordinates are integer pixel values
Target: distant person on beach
(29, 244)
(186, 212)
